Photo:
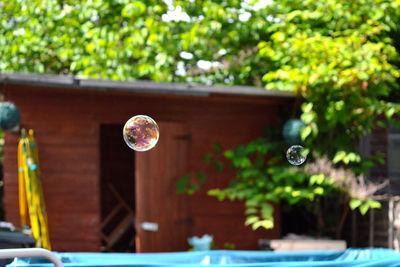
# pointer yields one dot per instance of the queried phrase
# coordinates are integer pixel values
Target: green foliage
(128, 40)
(341, 58)
(263, 177)
(186, 184)
(364, 206)
(98, 39)
(308, 46)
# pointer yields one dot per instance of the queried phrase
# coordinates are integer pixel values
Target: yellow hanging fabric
(30, 190)
(21, 188)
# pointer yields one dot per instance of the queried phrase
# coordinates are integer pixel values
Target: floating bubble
(296, 155)
(141, 133)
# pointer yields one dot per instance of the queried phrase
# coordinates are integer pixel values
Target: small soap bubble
(296, 155)
(141, 133)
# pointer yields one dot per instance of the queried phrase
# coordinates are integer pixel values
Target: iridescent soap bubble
(141, 133)
(296, 155)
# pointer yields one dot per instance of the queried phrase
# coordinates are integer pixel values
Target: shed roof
(62, 81)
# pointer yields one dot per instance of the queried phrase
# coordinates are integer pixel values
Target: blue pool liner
(232, 258)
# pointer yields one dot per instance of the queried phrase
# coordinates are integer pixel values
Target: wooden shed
(100, 195)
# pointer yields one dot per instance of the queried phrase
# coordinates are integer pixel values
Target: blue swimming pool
(350, 257)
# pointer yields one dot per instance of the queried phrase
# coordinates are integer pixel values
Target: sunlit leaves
(368, 204)
(100, 39)
(342, 67)
(125, 40)
(346, 158)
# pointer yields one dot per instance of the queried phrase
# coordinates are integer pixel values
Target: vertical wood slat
(371, 227)
(391, 223)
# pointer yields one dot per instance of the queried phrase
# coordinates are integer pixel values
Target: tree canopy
(285, 45)
(128, 40)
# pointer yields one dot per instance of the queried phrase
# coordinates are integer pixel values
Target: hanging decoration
(291, 131)
(10, 117)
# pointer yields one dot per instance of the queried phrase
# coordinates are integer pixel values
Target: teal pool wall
(350, 257)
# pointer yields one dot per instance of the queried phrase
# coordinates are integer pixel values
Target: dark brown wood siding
(66, 124)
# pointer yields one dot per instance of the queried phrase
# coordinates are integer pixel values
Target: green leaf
(267, 210)
(214, 192)
(220, 194)
(317, 179)
(375, 204)
(305, 132)
(389, 113)
(340, 155)
(131, 9)
(218, 165)
(307, 117)
(364, 208)
(201, 176)
(192, 189)
(381, 124)
(207, 158)
(182, 183)
(318, 191)
(217, 148)
(252, 202)
(250, 211)
(229, 154)
(267, 224)
(353, 157)
(251, 220)
(241, 162)
(307, 107)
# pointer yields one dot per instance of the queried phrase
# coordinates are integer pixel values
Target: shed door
(162, 218)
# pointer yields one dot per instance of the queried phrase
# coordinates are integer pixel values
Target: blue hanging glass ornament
(9, 116)
(291, 131)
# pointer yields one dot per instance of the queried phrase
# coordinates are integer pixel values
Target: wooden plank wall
(66, 124)
(67, 139)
